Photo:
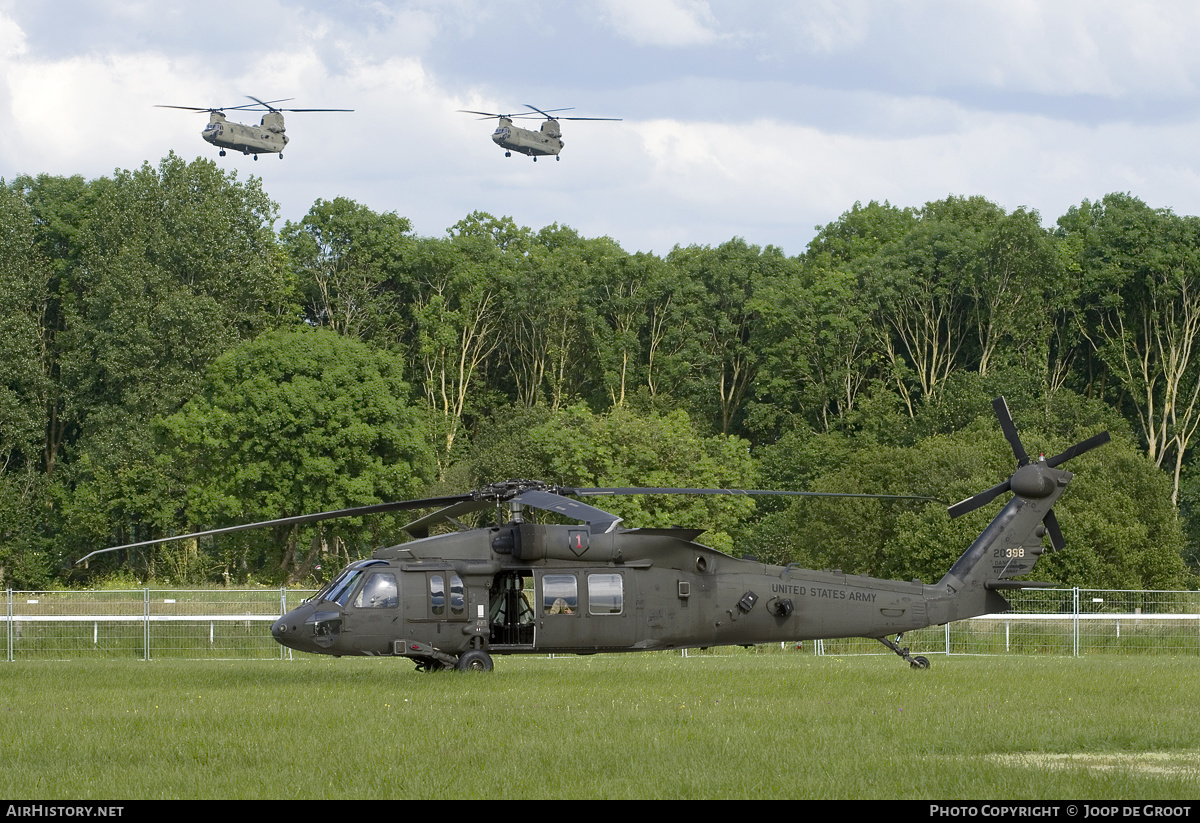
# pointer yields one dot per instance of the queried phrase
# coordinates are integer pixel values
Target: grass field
(738, 725)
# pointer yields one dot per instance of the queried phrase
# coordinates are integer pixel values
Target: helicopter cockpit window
(339, 591)
(560, 594)
(380, 592)
(605, 594)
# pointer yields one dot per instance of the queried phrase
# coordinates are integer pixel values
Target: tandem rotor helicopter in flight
(456, 600)
(268, 136)
(536, 144)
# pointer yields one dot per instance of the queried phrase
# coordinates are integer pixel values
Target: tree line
(173, 363)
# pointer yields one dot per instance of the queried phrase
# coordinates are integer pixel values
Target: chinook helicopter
(268, 136)
(458, 599)
(536, 144)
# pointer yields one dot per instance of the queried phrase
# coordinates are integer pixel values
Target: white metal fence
(219, 623)
(146, 623)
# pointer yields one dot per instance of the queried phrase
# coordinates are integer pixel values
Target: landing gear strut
(917, 662)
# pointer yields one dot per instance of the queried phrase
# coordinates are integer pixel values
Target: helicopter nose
(286, 631)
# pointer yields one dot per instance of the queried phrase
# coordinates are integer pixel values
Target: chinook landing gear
(222, 152)
(917, 662)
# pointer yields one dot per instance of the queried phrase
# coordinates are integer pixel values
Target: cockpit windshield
(339, 590)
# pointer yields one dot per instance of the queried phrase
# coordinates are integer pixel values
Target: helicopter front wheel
(474, 660)
(222, 152)
(508, 154)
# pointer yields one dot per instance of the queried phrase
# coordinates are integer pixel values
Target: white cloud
(661, 22)
(12, 39)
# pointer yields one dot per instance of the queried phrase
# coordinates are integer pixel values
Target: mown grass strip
(653, 726)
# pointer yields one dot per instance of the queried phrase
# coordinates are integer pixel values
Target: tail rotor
(1029, 480)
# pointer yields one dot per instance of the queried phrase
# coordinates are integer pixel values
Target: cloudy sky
(755, 119)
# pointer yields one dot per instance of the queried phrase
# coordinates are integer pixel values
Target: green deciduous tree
(350, 263)
(290, 423)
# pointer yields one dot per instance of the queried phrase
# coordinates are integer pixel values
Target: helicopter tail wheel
(474, 660)
(535, 159)
(556, 157)
(917, 662)
(256, 157)
(280, 155)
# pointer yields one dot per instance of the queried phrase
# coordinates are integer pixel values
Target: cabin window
(380, 592)
(560, 594)
(437, 595)
(458, 604)
(605, 594)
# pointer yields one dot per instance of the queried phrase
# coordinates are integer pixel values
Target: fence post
(282, 612)
(9, 622)
(1075, 622)
(145, 624)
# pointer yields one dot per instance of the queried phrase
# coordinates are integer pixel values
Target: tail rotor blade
(1079, 448)
(979, 500)
(1056, 536)
(1010, 431)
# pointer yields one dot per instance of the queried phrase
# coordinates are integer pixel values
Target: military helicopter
(268, 136)
(456, 600)
(526, 141)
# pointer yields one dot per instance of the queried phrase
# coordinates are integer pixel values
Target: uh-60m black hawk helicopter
(455, 600)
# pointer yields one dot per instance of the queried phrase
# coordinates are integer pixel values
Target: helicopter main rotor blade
(420, 527)
(544, 114)
(487, 115)
(185, 108)
(268, 105)
(377, 508)
(614, 119)
(749, 492)
(598, 520)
